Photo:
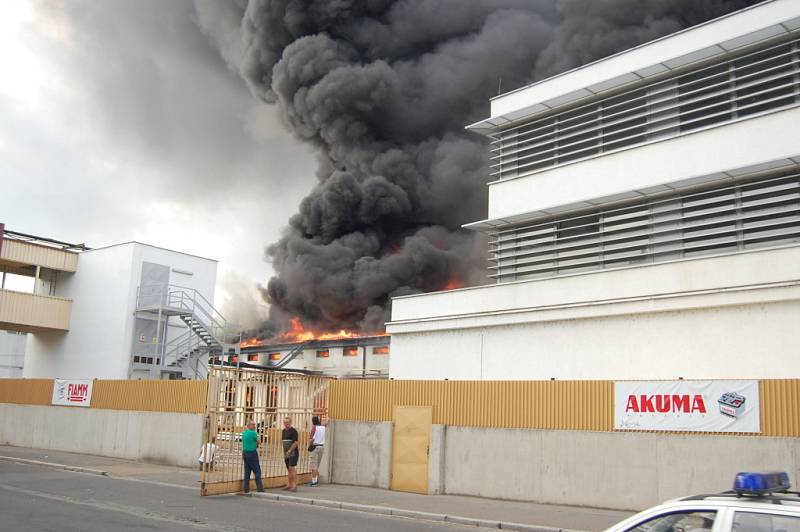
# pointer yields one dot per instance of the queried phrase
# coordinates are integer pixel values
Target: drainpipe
(364, 362)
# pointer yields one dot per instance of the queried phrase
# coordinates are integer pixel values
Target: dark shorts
(292, 460)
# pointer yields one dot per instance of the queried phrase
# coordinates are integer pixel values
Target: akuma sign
(666, 403)
(699, 406)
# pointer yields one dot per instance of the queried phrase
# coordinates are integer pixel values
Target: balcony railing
(21, 253)
(33, 313)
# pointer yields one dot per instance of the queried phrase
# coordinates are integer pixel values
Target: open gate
(236, 396)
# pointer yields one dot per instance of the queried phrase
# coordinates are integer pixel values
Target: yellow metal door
(412, 435)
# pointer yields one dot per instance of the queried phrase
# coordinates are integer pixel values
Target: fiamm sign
(696, 406)
(72, 392)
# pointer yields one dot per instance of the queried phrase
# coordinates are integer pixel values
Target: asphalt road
(38, 498)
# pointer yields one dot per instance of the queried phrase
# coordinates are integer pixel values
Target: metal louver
(750, 214)
(725, 91)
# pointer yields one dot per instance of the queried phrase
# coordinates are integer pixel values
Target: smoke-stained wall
(383, 90)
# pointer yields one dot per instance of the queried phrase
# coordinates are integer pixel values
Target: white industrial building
(345, 357)
(126, 311)
(644, 219)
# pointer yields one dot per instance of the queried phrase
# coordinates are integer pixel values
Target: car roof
(777, 502)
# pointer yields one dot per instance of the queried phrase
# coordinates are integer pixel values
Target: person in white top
(317, 448)
(207, 454)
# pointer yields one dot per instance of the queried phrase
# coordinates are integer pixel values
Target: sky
(121, 121)
(147, 120)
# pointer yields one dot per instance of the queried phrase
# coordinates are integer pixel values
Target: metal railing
(209, 333)
(183, 347)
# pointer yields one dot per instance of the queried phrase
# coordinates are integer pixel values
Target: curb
(323, 503)
(66, 467)
(411, 514)
(90, 471)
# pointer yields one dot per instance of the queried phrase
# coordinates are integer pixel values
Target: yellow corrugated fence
(149, 396)
(26, 391)
(553, 405)
(568, 405)
(780, 407)
(187, 397)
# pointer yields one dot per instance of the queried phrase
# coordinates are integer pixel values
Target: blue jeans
(251, 464)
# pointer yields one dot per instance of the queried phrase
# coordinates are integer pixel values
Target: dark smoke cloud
(383, 90)
(591, 30)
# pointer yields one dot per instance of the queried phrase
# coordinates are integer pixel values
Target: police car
(759, 502)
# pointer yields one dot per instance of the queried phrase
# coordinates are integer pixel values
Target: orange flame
(454, 284)
(250, 342)
(298, 333)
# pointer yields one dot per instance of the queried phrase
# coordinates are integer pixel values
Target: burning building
(345, 357)
(381, 90)
(342, 354)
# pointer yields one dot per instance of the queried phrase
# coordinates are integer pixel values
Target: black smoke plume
(383, 90)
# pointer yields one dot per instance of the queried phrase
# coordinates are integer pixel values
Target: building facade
(643, 219)
(353, 357)
(127, 311)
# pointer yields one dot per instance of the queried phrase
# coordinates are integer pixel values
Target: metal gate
(236, 396)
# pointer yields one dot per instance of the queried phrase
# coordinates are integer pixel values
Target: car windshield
(688, 521)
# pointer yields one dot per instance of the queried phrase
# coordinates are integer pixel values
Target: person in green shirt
(250, 457)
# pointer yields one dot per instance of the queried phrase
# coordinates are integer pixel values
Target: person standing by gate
(207, 455)
(250, 457)
(316, 448)
(291, 452)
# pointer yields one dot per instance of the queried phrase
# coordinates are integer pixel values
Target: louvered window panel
(720, 219)
(728, 90)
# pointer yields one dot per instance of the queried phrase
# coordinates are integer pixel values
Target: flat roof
(40, 240)
(723, 35)
(352, 341)
(150, 246)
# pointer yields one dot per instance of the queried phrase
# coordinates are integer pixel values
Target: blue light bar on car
(761, 483)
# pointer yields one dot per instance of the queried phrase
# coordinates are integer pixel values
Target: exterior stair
(207, 333)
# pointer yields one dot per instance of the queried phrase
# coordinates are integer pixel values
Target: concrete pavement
(489, 513)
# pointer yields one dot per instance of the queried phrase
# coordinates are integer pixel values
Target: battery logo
(731, 404)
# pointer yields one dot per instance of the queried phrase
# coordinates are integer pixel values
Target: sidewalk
(484, 512)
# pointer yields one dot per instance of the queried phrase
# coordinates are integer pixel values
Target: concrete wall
(361, 453)
(609, 470)
(627, 471)
(165, 438)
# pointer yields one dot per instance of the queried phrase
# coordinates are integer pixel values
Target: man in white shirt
(207, 454)
(317, 448)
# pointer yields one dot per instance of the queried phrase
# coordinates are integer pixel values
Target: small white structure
(353, 357)
(644, 219)
(132, 308)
